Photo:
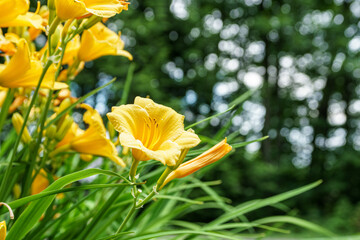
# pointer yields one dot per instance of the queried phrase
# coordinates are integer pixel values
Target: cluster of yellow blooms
(76, 35)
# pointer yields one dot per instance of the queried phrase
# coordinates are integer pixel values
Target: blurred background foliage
(301, 58)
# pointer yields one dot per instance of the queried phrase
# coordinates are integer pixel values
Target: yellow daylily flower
(2, 230)
(67, 9)
(15, 13)
(99, 41)
(153, 131)
(91, 141)
(24, 71)
(210, 156)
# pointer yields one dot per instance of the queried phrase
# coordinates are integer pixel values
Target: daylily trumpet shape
(2, 230)
(153, 131)
(15, 13)
(99, 41)
(210, 156)
(91, 141)
(67, 9)
(24, 71)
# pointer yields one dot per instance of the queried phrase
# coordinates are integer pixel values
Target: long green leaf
(256, 204)
(234, 145)
(181, 199)
(211, 117)
(233, 104)
(170, 233)
(33, 212)
(81, 99)
(296, 221)
(125, 92)
(22, 201)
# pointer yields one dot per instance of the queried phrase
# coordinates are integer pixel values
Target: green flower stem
(133, 168)
(128, 216)
(147, 199)
(5, 106)
(4, 183)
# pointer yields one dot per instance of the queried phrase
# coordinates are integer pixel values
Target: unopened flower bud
(64, 128)
(55, 38)
(51, 131)
(86, 157)
(18, 121)
(91, 22)
(63, 105)
(111, 130)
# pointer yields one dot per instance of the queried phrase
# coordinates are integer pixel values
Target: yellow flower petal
(67, 9)
(104, 8)
(131, 119)
(210, 156)
(28, 19)
(100, 41)
(10, 9)
(188, 139)
(2, 230)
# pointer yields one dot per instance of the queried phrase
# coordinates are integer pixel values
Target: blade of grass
(179, 199)
(211, 117)
(233, 104)
(201, 233)
(296, 221)
(234, 145)
(114, 237)
(256, 204)
(128, 81)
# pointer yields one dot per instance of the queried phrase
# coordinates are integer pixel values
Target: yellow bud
(63, 105)
(64, 128)
(111, 130)
(51, 131)
(86, 157)
(18, 121)
(66, 28)
(91, 22)
(208, 157)
(55, 37)
(17, 190)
